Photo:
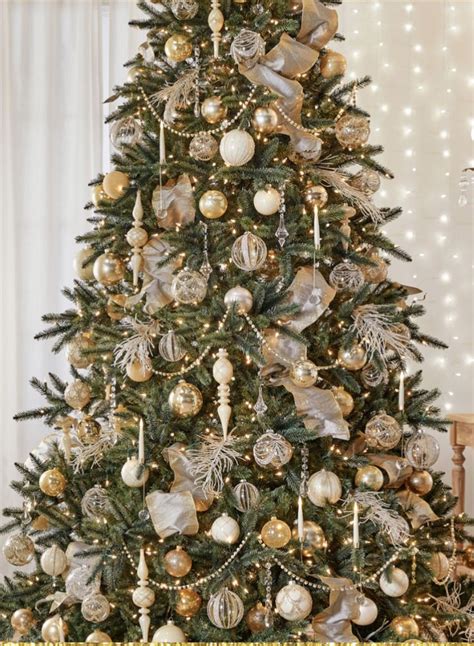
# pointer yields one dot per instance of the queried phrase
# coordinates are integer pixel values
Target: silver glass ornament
(184, 9)
(383, 432)
(249, 252)
(422, 450)
(189, 287)
(95, 608)
(125, 132)
(95, 502)
(246, 496)
(172, 347)
(225, 609)
(272, 450)
(346, 275)
(78, 583)
(203, 147)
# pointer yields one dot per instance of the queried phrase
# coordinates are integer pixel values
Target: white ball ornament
(143, 597)
(267, 201)
(240, 297)
(368, 612)
(237, 147)
(324, 487)
(225, 530)
(54, 629)
(53, 561)
(225, 609)
(395, 583)
(249, 252)
(131, 473)
(98, 637)
(169, 633)
(293, 602)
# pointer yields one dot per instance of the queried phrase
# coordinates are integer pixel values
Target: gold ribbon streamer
(333, 624)
(417, 510)
(279, 68)
(173, 203)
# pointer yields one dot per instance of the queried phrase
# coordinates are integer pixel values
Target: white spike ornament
(137, 237)
(222, 372)
(143, 596)
(215, 21)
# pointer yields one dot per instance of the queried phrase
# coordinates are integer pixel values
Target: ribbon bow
(278, 69)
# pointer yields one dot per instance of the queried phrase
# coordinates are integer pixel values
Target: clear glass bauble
(422, 450)
(246, 496)
(346, 275)
(352, 130)
(95, 608)
(184, 9)
(172, 347)
(95, 502)
(249, 252)
(18, 549)
(189, 287)
(203, 147)
(225, 609)
(79, 585)
(383, 432)
(272, 450)
(125, 132)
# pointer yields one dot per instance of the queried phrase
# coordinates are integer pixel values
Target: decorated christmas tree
(242, 450)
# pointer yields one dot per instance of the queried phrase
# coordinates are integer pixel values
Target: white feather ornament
(137, 347)
(212, 460)
(377, 331)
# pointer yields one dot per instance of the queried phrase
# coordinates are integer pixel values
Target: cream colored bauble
(22, 621)
(324, 487)
(332, 64)
(439, 565)
(98, 637)
(213, 110)
(143, 597)
(77, 351)
(293, 602)
(275, 533)
(213, 204)
(396, 584)
(240, 297)
(138, 372)
(77, 394)
(225, 530)
(133, 473)
(265, 120)
(368, 612)
(237, 147)
(267, 200)
(115, 184)
(53, 561)
(108, 269)
(54, 629)
(222, 370)
(169, 634)
(225, 609)
(178, 48)
(83, 271)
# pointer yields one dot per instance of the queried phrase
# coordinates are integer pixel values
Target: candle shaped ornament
(316, 228)
(143, 596)
(355, 528)
(137, 237)
(216, 22)
(401, 391)
(222, 372)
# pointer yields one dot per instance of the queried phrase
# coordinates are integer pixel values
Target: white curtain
(59, 61)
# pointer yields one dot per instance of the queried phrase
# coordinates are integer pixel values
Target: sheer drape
(55, 75)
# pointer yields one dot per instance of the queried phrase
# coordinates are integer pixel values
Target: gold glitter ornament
(75, 351)
(188, 602)
(52, 482)
(22, 620)
(77, 394)
(177, 562)
(404, 627)
(178, 48)
(332, 64)
(18, 550)
(344, 399)
(88, 430)
(265, 120)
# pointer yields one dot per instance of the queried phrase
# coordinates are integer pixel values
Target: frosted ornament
(396, 585)
(172, 347)
(18, 549)
(125, 132)
(267, 201)
(237, 147)
(77, 394)
(368, 611)
(98, 637)
(95, 608)
(346, 275)
(134, 473)
(225, 530)
(324, 487)
(246, 496)
(422, 450)
(225, 609)
(293, 602)
(53, 561)
(189, 287)
(249, 252)
(169, 633)
(272, 450)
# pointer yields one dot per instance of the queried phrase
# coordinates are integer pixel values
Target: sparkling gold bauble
(303, 373)
(88, 430)
(52, 482)
(439, 564)
(115, 184)
(354, 358)
(81, 271)
(370, 477)
(352, 130)
(18, 549)
(188, 603)
(265, 120)
(178, 48)
(240, 297)
(275, 533)
(315, 196)
(177, 562)
(420, 482)
(22, 620)
(213, 110)
(344, 400)
(185, 400)
(40, 523)
(376, 273)
(313, 537)
(54, 628)
(75, 352)
(138, 372)
(98, 196)
(404, 627)
(468, 556)
(332, 64)
(109, 269)
(213, 204)
(258, 618)
(77, 394)
(116, 307)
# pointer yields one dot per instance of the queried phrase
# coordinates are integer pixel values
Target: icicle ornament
(143, 597)
(223, 372)
(216, 22)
